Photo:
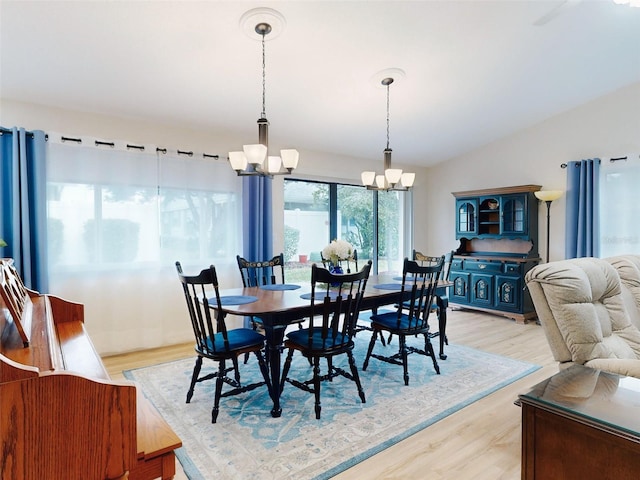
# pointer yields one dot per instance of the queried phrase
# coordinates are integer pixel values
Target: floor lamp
(548, 196)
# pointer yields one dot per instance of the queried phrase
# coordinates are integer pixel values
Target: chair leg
(194, 377)
(285, 369)
(372, 342)
(263, 369)
(428, 347)
(254, 325)
(356, 377)
(316, 385)
(218, 392)
(237, 370)
(405, 360)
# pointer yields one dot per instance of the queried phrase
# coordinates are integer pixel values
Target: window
(119, 219)
(619, 207)
(317, 212)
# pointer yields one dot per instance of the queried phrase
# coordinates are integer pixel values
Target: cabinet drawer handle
(482, 266)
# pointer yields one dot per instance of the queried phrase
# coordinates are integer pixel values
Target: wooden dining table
(279, 308)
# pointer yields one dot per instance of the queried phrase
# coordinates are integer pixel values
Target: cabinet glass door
(514, 215)
(466, 218)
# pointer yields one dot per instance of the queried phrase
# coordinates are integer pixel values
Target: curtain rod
(100, 143)
(616, 159)
(8, 130)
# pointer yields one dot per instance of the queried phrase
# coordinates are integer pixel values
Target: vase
(336, 270)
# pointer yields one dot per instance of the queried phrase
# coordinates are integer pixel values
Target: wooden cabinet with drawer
(498, 234)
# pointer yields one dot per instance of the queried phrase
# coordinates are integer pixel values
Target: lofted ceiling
(475, 71)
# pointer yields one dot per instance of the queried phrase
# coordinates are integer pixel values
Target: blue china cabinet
(498, 233)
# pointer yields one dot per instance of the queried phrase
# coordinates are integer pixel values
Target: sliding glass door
(317, 212)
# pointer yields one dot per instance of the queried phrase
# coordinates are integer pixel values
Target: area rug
(246, 442)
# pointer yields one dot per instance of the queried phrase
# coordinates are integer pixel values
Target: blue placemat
(280, 286)
(234, 299)
(319, 295)
(388, 286)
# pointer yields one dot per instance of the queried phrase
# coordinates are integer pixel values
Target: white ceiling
(476, 70)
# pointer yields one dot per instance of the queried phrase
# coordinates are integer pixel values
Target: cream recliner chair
(628, 268)
(580, 305)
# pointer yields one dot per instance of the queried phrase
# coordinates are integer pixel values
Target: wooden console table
(581, 424)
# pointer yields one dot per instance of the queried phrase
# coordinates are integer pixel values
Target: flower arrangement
(337, 250)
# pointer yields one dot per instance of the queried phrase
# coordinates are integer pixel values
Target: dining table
(281, 305)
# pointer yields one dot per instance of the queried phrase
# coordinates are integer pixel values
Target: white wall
(606, 127)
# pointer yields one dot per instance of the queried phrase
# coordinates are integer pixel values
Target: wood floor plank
(481, 441)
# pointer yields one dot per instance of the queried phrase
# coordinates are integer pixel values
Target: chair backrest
(265, 272)
(335, 305)
(580, 306)
(419, 284)
(426, 260)
(196, 290)
(350, 263)
(628, 268)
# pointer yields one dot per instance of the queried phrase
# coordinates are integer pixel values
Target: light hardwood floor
(481, 441)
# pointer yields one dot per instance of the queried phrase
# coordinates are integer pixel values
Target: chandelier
(255, 159)
(393, 178)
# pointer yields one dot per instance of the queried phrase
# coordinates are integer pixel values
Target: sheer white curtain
(118, 219)
(619, 206)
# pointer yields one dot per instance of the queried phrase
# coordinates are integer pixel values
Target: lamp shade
(290, 158)
(238, 160)
(407, 179)
(380, 181)
(393, 175)
(548, 195)
(368, 178)
(273, 164)
(255, 153)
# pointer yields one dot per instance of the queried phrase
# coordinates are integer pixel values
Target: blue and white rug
(246, 442)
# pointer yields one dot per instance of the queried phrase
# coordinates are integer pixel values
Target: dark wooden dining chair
(214, 341)
(350, 264)
(427, 261)
(267, 272)
(330, 331)
(410, 318)
(443, 293)
(256, 274)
